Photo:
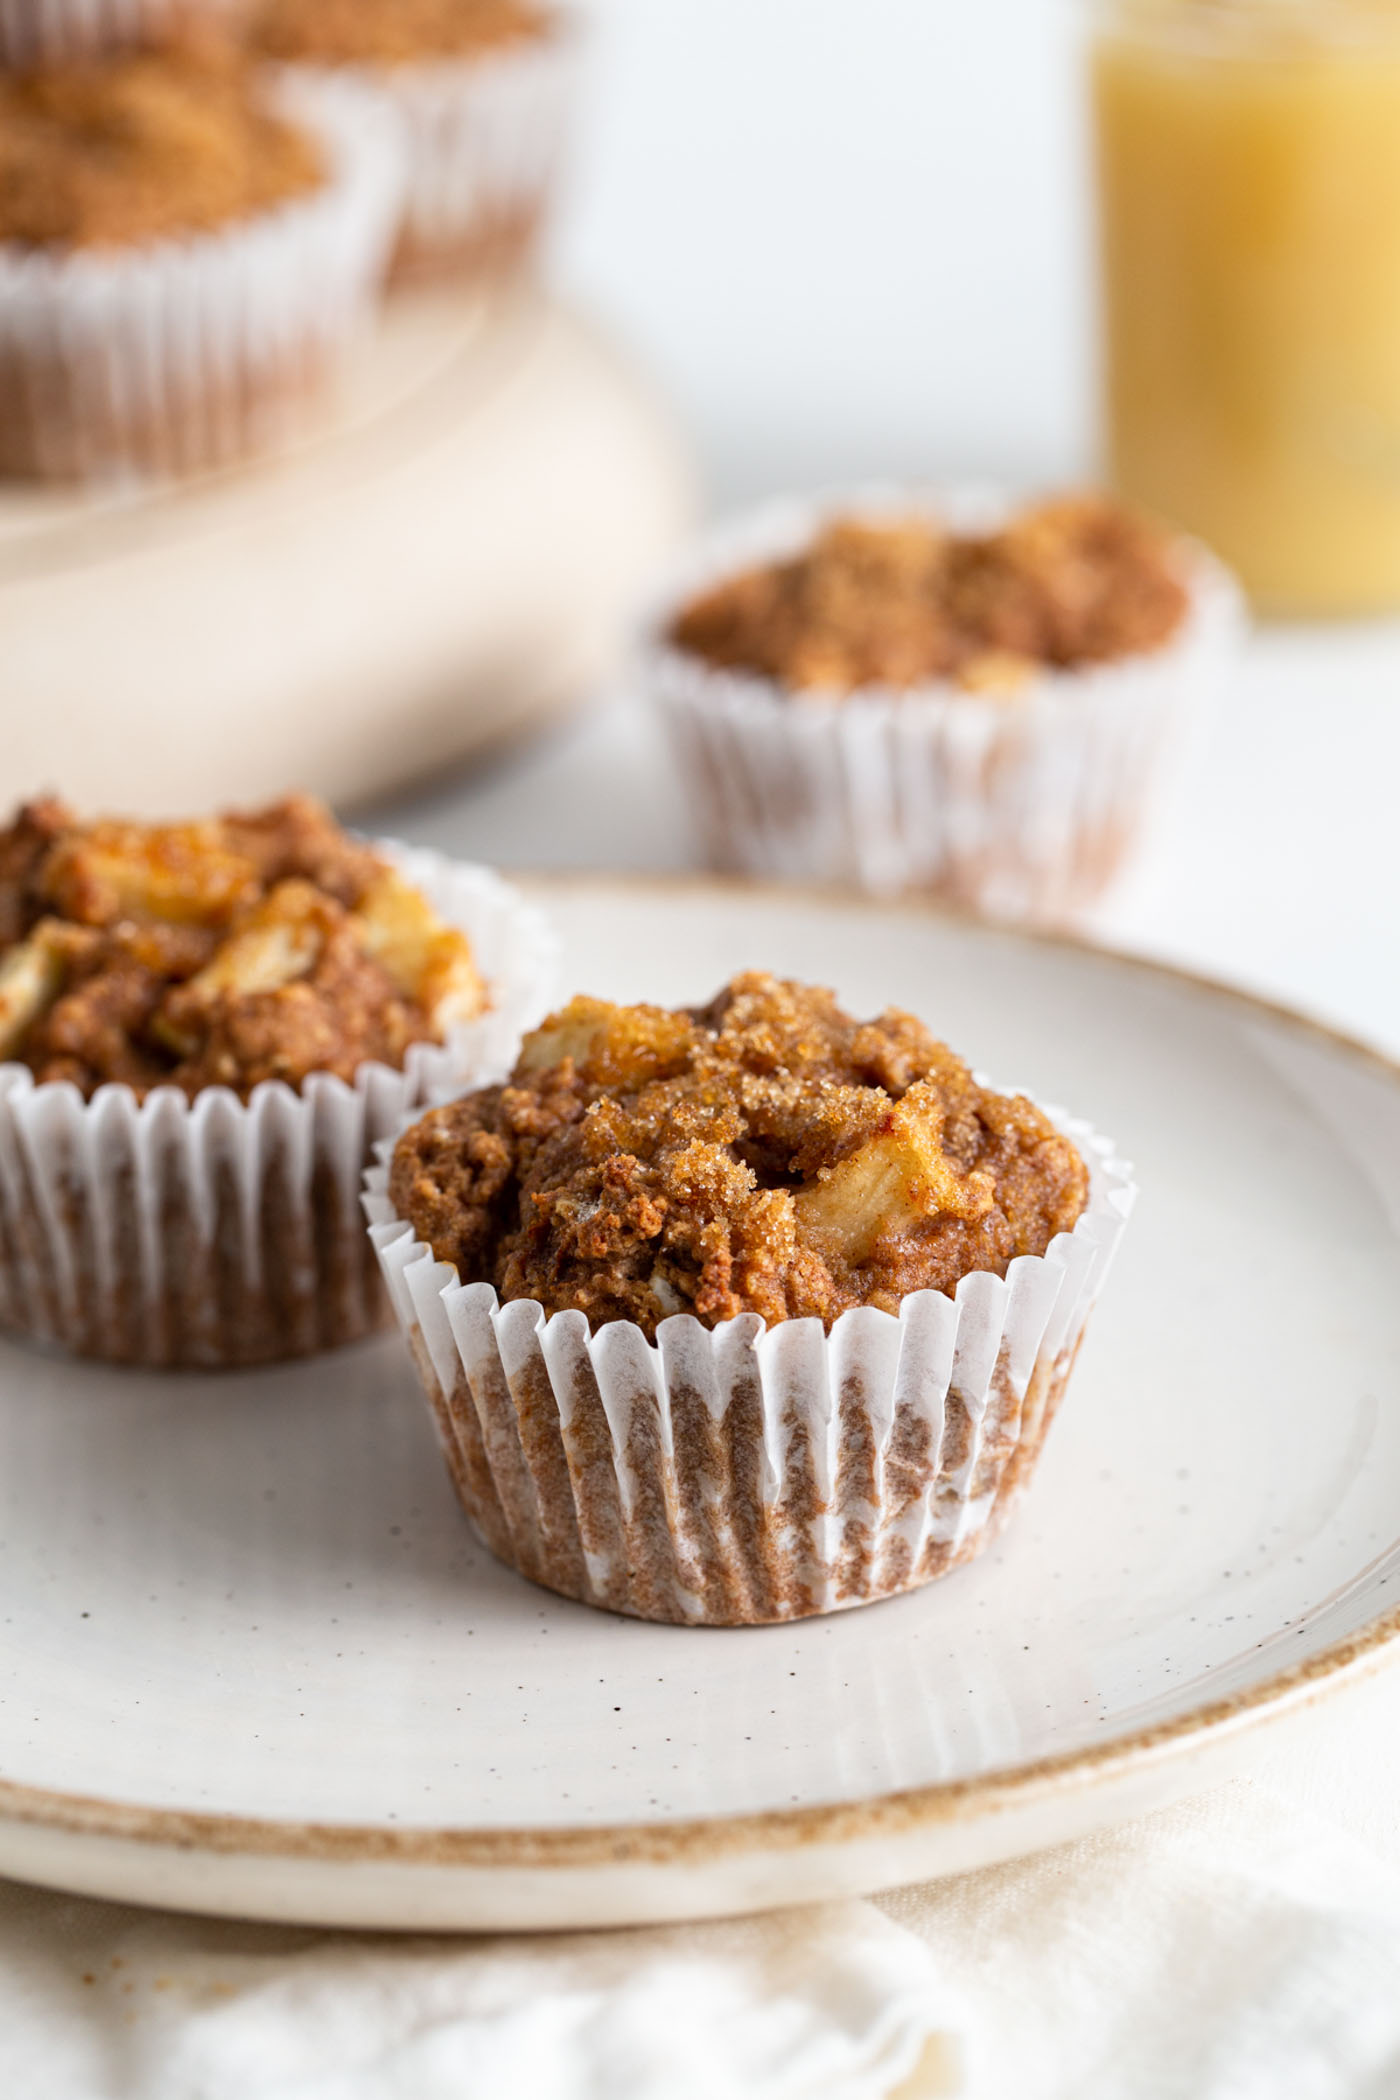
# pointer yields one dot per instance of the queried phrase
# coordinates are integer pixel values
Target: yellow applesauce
(1249, 184)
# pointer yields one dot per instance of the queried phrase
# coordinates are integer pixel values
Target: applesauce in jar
(1249, 186)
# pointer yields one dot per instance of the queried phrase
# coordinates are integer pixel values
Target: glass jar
(1249, 188)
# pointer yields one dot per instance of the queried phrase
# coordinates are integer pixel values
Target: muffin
(45, 32)
(904, 696)
(743, 1312)
(186, 245)
(205, 1028)
(480, 90)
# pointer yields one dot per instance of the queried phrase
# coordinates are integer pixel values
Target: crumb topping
(145, 147)
(766, 1153)
(894, 603)
(248, 947)
(393, 32)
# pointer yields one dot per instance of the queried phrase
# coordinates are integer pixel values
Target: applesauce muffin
(480, 91)
(890, 694)
(204, 1028)
(225, 233)
(678, 1253)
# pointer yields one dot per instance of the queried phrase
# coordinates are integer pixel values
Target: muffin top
(898, 601)
(222, 953)
(765, 1153)
(392, 32)
(145, 147)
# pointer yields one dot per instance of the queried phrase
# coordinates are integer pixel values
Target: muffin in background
(743, 1312)
(186, 246)
(205, 1028)
(481, 92)
(906, 694)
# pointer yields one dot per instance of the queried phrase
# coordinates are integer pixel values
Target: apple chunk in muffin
(889, 1186)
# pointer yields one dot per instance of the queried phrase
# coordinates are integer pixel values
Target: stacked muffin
(192, 231)
(479, 92)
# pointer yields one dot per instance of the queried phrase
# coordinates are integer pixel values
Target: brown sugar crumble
(766, 1153)
(893, 603)
(393, 32)
(145, 147)
(222, 953)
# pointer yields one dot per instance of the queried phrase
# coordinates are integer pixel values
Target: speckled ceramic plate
(252, 1661)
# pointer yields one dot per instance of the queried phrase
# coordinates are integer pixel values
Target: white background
(853, 237)
(849, 236)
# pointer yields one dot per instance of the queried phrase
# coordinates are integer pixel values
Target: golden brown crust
(145, 147)
(1069, 583)
(254, 946)
(393, 32)
(764, 1154)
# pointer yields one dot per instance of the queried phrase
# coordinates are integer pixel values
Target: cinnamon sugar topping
(145, 147)
(393, 32)
(898, 602)
(766, 1153)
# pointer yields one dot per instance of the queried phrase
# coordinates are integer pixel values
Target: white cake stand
(445, 560)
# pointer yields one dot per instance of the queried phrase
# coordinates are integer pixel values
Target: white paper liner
(482, 141)
(45, 32)
(217, 1231)
(738, 1475)
(187, 353)
(1021, 806)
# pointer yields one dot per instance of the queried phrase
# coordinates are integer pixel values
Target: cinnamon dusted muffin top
(393, 32)
(222, 953)
(898, 601)
(145, 147)
(765, 1153)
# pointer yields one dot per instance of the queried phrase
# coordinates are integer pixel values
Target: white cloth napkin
(1243, 1946)
(103, 2002)
(1228, 1950)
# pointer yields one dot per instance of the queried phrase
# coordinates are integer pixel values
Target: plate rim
(680, 1841)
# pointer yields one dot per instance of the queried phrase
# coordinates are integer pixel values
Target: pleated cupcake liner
(741, 1475)
(217, 1232)
(482, 140)
(188, 353)
(1022, 805)
(57, 32)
